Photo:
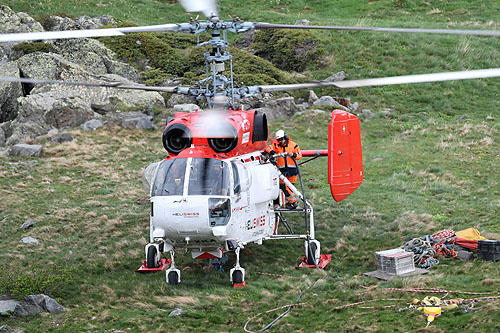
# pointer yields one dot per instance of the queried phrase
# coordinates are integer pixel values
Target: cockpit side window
(169, 178)
(208, 176)
(241, 176)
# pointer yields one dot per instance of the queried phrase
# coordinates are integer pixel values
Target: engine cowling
(176, 138)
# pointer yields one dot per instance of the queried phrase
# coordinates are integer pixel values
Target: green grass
(432, 164)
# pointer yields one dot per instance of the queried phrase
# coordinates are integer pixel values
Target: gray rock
(30, 305)
(93, 57)
(29, 240)
(69, 111)
(22, 149)
(354, 106)
(52, 306)
(9, 93)
(312, 97)
(279, 108)
(367, 113)
(2, 137)
(7, 329)
(61, 138)
(23, 129)
(27, 224)
(328, 100)
(176, 312)
(302, 22)
(34, 304)
(53, 131)
(178, 99)
(91, 125)
(7, 307)
(138, 123)
(386, 113)
(340, 76)
(186, 108)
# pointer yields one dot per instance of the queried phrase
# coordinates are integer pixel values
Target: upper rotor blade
(383, 81)
(116, 85)
(412, 30)
(207, 7)
(29, 36)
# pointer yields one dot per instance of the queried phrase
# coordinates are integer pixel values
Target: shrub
(289, 49)
(31, 47)
(50, 281)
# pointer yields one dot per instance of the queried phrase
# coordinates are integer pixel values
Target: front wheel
(151, 258)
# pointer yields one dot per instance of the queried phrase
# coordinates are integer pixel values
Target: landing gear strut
(173, 275)
(237, 274)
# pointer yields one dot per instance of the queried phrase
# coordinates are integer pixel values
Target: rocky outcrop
(9, 92)
(34, 304)
(93, 57)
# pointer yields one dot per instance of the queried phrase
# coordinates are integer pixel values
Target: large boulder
(58, 23)
(279, 108)
(93, 57)
(9, 92)
(34, 304)
(11, 22)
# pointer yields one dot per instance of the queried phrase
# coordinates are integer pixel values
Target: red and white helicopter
(215, 191)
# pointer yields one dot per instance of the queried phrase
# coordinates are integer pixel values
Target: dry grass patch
(418, 224)
(177, 300)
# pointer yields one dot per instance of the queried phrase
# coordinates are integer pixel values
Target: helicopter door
(345, 162)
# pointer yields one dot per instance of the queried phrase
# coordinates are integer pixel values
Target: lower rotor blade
(27, 36)
(116, 85)
(411, 30)
(383, 81)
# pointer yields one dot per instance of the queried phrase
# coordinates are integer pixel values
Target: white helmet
(280, 134)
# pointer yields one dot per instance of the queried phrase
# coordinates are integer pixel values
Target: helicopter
(216, 192)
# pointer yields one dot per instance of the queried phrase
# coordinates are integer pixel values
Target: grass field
(430, 165)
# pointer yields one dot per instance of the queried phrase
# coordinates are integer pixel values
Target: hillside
(430, 163)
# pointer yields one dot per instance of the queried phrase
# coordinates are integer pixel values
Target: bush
(288, 49)
(31, 47)
(50, 281)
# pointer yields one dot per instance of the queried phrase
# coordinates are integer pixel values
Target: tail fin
(345, 161)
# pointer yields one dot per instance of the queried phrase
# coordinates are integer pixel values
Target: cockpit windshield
(169, 178)
(205, 176)
(208, 176)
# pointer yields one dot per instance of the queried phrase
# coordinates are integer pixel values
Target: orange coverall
(286, 164)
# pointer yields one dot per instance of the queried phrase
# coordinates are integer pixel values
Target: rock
(7, 329)
(386, 113)
(26, 225)
(312, 97)
(29, 240)
(53, 131)
(2, 137)
(23, 129)
(52, 306)
(186, 108)
(22, 149)
(176, 312)
(91, 125)
(69, 111)
(177, 99)
(34, 304)
(9, 93)
(279, 108)
(302, 22)
(490, 118)
(354, 106)
(367, 113)
(61, 138)
(7, 307)
(135, 120)
(328, 100)
(340, 76)
(93, 57)
(87, 22)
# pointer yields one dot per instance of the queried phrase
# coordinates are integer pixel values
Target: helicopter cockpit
(192, 176)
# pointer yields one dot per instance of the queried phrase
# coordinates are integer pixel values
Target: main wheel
(151, 258)
(311, 254)
(237, 277)
(173, 278)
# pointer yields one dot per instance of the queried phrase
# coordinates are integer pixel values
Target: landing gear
(237, 274)
(312, 251)
(173, 275)
(153, 255)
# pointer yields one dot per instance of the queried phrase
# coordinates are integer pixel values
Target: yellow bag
(470, 233)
